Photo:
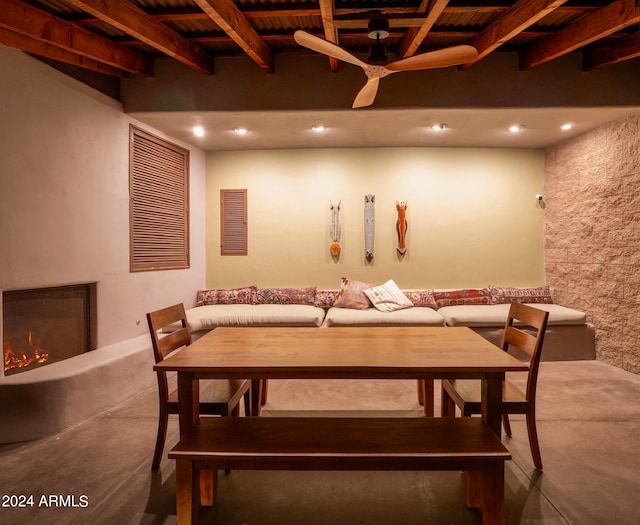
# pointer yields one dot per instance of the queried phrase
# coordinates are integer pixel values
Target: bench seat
(277, 443)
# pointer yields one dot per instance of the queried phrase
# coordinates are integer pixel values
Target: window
(158, 203)
(233, 222)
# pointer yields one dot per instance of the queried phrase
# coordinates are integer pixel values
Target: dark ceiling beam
(599, 24)
(625, 48)
(41, 49)
(512, 22)
(414, 36)
(129, 18)
(37, 24)
(226, 14)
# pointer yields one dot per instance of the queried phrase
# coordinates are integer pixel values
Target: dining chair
(220, 397)
(466, 394)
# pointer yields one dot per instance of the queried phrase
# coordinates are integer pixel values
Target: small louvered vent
(233, 222)
(159, 203)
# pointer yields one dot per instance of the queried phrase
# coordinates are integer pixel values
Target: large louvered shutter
(159, 203)
(233, 222)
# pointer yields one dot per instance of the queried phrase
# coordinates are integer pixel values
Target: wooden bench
(303, 443)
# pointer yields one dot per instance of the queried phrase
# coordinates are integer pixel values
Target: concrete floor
(98, 472)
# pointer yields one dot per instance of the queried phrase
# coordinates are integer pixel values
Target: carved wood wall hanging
(369, 225)
(401, 226)
(335, 229)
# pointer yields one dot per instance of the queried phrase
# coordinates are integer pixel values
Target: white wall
(64, 198)
(472, 213)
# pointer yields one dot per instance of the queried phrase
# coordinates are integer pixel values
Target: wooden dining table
(422, 353)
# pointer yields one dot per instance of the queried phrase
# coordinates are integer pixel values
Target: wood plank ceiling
(124, 37)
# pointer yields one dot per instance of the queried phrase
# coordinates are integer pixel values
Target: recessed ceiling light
(516, 128)
(566, 126)
(198, 131)
(319, 128)
(440, 126)
(240, 131)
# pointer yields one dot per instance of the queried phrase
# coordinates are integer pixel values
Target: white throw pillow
(388, 297)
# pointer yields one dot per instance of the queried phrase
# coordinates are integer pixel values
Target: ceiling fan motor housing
(378, 30)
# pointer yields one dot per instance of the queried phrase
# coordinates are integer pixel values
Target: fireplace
(41, 326)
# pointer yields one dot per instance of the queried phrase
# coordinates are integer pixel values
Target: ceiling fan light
(378, 29)
(240, 131)
(516, 128)
(319, 128)
(440, 126)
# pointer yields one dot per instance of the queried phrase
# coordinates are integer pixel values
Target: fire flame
(11, 360)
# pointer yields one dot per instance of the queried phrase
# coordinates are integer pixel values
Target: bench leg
(186, 495)
(484, 489)
(493, 494)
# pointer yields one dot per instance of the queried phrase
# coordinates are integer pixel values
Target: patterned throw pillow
(463, 296)
(352, 295)
(286, 295)
(245, 295)
(503, 295)
(326, 298)
(421, 298)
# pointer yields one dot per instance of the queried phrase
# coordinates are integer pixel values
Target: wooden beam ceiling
(41, 26)
(226, 14)
(115, 37)
(132, 20)
(590, 28)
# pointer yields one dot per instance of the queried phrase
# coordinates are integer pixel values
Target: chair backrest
(181, 336)
(531, 344)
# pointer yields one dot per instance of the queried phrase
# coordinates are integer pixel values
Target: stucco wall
(64, 198)
(592, 234)
(472, 213)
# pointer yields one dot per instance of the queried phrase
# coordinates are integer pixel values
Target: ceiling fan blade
(449, 56)
(326, 48)
(367, 94)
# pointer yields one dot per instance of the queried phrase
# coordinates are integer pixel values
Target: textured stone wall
(592, 234)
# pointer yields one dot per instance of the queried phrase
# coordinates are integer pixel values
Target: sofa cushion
(414, 316)
(352, 295)
(502, 294)
(387, 297)
(244, 295)
(210, 316)
(462, 296)
(286, 295)
(496, 315)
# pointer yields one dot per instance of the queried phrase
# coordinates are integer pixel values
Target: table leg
(188, 402)
(492, 401)
(428, 394)
(256, 389)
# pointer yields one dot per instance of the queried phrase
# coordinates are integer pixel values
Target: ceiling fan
(377, 66)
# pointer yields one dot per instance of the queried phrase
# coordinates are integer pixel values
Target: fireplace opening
(41, 326)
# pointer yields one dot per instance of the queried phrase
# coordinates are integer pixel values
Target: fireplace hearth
(41, 326)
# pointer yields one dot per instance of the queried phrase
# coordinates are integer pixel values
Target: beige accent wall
(472, 213)
(64, 198)
(592, 240)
